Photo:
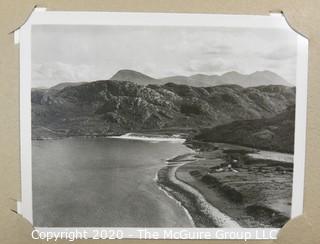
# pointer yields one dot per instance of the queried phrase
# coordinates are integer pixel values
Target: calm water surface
(102, 182)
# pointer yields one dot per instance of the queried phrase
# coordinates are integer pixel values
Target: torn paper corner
(300, 223)
(16, 31)
(282, 14)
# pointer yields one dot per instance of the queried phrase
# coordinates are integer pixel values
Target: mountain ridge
(202, 80)
(274, 134)
(114, 107)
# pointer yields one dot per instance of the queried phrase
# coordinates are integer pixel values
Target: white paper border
(40, 17)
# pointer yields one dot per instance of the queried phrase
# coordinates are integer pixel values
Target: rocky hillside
(114, 107)
(201, 80)
(275, 134)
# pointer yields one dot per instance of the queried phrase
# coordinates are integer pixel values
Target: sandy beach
(230, 198)
(200, 210)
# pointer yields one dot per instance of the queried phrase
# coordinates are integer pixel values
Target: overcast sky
(87, 53)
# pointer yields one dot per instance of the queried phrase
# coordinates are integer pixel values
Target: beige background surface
(302, 15)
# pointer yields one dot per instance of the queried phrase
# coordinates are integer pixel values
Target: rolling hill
(114, 107)
(274, 134)
(200, 80)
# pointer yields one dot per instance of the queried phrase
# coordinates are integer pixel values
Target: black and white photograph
(189, 126)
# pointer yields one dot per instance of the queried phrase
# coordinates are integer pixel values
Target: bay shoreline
(201, 213)
(219, 195)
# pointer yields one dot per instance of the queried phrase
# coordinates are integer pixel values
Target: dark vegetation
(116, 107)
(275, 134)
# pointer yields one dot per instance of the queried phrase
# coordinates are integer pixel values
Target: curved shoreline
(150, 138)
(166, 192)
(203, 214)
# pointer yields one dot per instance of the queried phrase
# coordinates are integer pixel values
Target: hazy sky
(87, 53)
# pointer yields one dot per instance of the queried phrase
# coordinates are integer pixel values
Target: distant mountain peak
(266, 72)
(132, 75)
(263, 72)
(269, 77)
(232, 73)
(128, 71)
(258, 78)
